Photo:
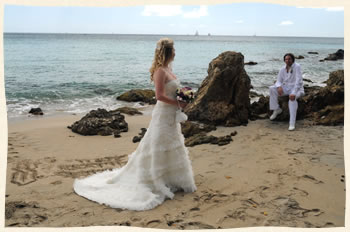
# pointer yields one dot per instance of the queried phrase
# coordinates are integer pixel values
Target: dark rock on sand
(36, 111)
(338, 55)
(223, 97)
(128, 110)
(136, 139)
(299, 57)
(312, 52)
(202, 138)
(189, 128)
(139, 95)
(100, 122)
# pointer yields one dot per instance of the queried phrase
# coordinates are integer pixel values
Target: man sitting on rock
(289, 82)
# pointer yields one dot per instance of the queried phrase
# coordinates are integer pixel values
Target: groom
(289, 82)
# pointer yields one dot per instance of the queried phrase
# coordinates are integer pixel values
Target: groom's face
(288, 60)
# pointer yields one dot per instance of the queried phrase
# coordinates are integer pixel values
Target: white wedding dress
(155, 170)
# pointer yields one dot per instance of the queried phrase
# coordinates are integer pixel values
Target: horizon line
(203, 35)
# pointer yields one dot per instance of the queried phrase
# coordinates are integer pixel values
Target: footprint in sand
(24, 173)
(301, 192)
(311, 178)
(80, 168)
(153, 223)
(194, 225)
(19, 213)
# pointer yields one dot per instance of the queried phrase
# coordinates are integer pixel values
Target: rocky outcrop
(100, 122)
(313, 53)
(128, 110)
(299, 57)
(36, 111)
(223, 97)
(139, 95)
(189, 128)
(323, 105)
(338, 55)
(202, 138)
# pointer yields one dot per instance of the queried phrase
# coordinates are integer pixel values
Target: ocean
(75, 73)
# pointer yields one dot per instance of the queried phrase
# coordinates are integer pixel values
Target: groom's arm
(279, 79)
(298, 80)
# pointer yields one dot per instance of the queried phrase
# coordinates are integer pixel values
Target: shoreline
(249, 182)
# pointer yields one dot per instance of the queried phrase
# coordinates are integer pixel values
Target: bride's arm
(159, 78)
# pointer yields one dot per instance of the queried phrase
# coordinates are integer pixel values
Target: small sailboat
(196, 33)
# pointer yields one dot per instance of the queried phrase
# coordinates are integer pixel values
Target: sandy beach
(268, 176)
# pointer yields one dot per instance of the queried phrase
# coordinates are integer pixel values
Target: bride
(160, 165)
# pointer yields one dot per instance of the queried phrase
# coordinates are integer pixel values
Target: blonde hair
(163, 54)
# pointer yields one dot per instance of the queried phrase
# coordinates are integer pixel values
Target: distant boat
(209, 34)
(196, 33)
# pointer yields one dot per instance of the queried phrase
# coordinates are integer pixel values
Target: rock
(260, 107)
(136, 139)
(234, 133)
(251, 63)
(202, 138)
(299, 57)
(336, 78)
(189, 128)
(100, 122)
(36, 111)
(223, 97)
(338, 55)
(128, 110)
(330, 116)
(312, 52)
(139, 95)
(141, 134)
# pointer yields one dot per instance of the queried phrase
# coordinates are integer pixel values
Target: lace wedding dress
(155, 170)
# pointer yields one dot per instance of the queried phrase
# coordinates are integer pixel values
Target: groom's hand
(280, 91)
(292, 97)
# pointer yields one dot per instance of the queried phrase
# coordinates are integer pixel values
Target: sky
(236, 19)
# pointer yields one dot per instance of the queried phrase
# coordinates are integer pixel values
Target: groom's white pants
(292, 105)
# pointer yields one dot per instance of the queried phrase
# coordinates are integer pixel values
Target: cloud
(197, 13)
(162, 10)
(174, 10)
(286, 23)
(322, 8)
(239, 21)
(335, 9)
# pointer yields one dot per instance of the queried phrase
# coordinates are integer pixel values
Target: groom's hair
(291, 56)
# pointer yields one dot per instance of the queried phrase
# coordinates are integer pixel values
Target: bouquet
(185, 94)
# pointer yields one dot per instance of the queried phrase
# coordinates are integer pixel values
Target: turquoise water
(75, 73)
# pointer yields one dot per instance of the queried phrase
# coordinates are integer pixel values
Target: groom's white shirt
(292, 80)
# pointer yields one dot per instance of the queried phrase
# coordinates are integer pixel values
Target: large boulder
(338, 55)
(36, 111)
(223, 97)
(100, 122)
(139, 95)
